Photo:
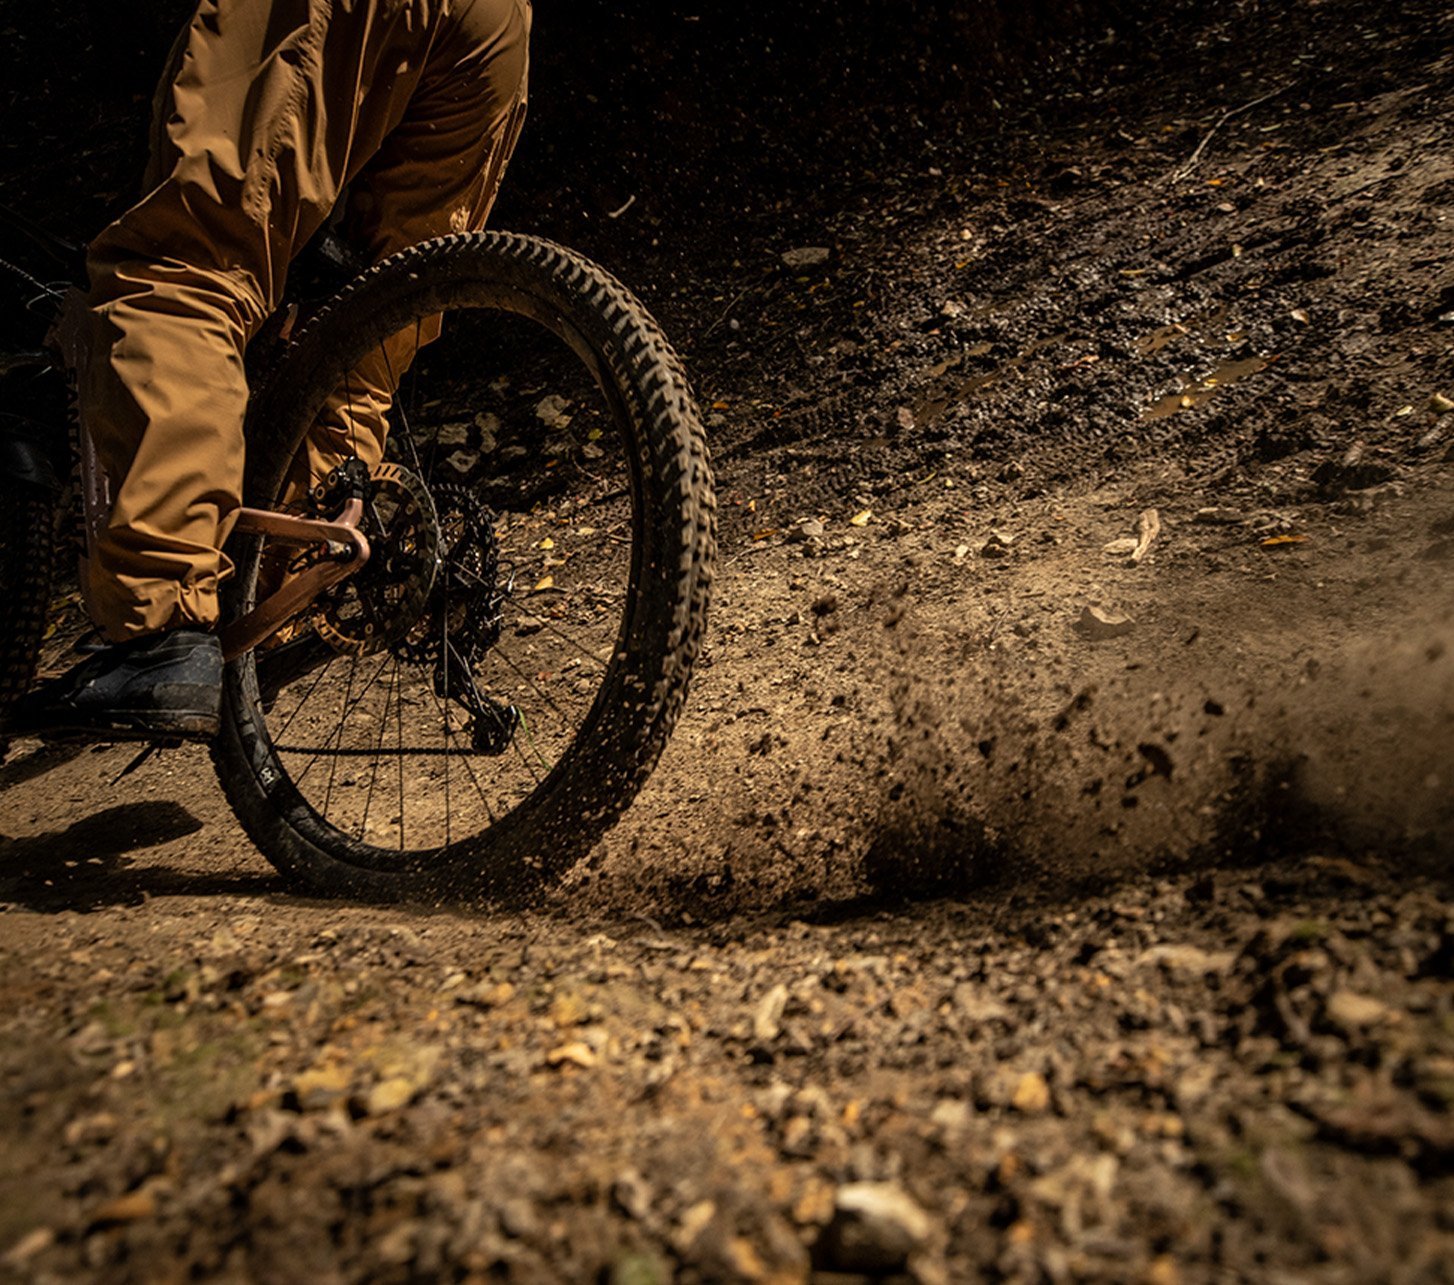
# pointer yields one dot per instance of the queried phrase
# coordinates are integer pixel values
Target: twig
(1150, 528)
(727, 311)
(616, 214)
(1182, 171)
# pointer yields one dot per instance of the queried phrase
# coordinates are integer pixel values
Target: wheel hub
(384, 601)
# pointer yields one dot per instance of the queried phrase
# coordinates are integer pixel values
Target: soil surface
(1049, 879)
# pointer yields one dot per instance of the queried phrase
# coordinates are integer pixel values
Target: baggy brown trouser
(271, 108)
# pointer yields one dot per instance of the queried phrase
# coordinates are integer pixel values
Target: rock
(998, 545)
(1032, 1094)
(573, 1054)
(1186, 959)
(396, 1246)
(391, 1094)
(975, 1004)
(100, 1127)
(1099, 623)
(632, 1194)
(1121, 548)
(1220, 515)
(767, 1020)
(809, 530)
(1351, 1011)
(320, 1087)
(454, 434)
(130, 1208)
(693, 1223)
(1440, 404)
(952, 1115)
(491, 994)
(552, 411)
(876, 1227)
(518, 1218)
(28, 1246)
(807, 256)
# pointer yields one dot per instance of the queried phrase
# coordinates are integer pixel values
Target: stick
(1150, 529)
(1182, 171)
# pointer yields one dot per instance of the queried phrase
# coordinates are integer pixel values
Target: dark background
(703, 112)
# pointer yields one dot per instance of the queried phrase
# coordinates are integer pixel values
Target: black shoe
(164, 686)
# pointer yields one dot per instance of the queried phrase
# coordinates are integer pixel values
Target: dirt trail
(1119, 948)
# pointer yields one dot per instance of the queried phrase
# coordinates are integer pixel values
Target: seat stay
(347, 552)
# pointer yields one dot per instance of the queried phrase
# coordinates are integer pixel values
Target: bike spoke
(525, 678)
(399, 716)
(374, 771)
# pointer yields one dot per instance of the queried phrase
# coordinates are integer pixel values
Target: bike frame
(346, 548)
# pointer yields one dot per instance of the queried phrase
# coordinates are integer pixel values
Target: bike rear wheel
(478, 706)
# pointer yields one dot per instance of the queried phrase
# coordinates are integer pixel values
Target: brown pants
(270, 109)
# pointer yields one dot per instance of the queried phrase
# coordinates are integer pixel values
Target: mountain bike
(448, 675)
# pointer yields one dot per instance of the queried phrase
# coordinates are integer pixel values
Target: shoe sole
(174, 726)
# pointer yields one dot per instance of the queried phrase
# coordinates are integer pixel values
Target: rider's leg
(438, 172)
(272, 109)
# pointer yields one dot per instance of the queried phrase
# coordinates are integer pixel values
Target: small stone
(320, 1087)
(632, 1194)
(951, 1115)
(1187, 959)
(694, 1222)
(454, 434)
(807, 256)
(1032, 1094)
(130, 1208)
(998, 545)
(390, 1095)
(767, 1020)
(490, 995)
(809, 530)
(1440, 404)
(1351, 1011)
(518, 1218)
(573, 1054)
(552, 411)
(1220, 515)
(28, 1246)
(876, 1227)
(1098, 623)
(1121, 548)
(100, 1127)
(396, 1246)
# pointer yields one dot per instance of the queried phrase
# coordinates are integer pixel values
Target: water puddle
(1197, 391)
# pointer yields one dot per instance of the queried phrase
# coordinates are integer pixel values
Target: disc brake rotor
(383, 602)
